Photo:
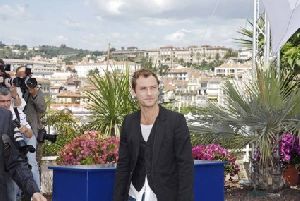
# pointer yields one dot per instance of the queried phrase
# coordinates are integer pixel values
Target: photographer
(19, 120)
(34, 110)
(12, 164)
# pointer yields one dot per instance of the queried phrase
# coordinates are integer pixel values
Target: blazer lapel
(136, 132)
(159, 133)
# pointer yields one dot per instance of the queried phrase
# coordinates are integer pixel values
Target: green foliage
(247, 35)
(259, 111)
(204, 65)
(227, 141)
(290, 63)
(92, 72)
(53, 149)
(71, 54)
(230, 53)
(66, 127)
(110, 102)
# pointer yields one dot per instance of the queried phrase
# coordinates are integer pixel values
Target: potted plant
(91, 148)
(218, 153)
(290, 157)
(86, 168)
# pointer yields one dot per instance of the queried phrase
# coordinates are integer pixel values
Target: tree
(110, 102)
(230, 53)
(198, 57)
(92, 72)
(217, 56)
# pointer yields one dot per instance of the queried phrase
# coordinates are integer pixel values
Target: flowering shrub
(90, 148)
(289, 149)
(216, 152)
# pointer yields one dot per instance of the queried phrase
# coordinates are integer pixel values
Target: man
(35, 108)
(11, 163)
(155, 156)
(6, 102)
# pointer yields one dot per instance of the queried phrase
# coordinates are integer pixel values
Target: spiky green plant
(259, 109)
(110, 102)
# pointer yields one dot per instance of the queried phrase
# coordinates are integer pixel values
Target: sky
(146, 24)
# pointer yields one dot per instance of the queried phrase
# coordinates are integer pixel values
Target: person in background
(12, 163)
(6, 102)
(34, 110)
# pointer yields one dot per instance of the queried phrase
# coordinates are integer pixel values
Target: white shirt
(149, 194)
(23, 120)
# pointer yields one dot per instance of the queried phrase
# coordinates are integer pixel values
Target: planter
(95, 183)
(290, 175)
(208, 180)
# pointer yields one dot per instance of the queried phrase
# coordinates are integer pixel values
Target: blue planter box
(95, 183)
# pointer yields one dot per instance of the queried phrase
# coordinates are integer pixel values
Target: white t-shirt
(149, 194)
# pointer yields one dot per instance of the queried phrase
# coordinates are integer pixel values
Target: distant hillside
(22, 52)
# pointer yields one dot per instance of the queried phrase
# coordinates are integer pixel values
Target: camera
(5, 67)
(42, 136)
(19, 139)
(31, 82)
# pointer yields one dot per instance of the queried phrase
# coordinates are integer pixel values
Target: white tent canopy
(284, 18)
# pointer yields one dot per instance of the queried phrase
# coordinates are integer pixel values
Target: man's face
(21, 72)
(5, 101)
(32, 90)
(146, 91)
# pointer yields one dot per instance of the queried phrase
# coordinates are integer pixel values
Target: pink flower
(90, 148)
(216, 152)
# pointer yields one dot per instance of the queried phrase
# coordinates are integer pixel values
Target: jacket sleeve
(39, 102)
(123, 167)
(16, 166)
(184, 160)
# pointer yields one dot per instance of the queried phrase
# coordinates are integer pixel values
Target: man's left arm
(18, 167)
(184, 160)
(39, 101)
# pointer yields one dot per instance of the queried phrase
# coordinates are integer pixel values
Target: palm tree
(260, 110)
(110, 102)
(247, 37)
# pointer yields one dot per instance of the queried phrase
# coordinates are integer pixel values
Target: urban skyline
(92, 24)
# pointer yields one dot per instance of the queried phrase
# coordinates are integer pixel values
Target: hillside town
(190, 76)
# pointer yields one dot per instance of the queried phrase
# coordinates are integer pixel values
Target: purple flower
(216, 152)
(289, 148)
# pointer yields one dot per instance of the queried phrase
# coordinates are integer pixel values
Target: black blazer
(172, 163)
(11, 164)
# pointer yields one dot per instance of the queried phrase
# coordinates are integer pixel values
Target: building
(83, 69)
(190, 87)
(233, 69)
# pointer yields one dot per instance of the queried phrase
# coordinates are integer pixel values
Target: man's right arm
(123, 167)
(16, 165)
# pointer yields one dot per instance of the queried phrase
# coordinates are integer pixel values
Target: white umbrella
(283, 16)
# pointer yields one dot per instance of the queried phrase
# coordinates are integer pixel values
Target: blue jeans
(32, 160)
(133, 199)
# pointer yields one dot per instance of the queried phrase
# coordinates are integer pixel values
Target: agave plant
(259, 110)
(110, 102)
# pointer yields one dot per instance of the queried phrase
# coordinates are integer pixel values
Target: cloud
(151, 21)
(72, 23)
(12, 12)
(60, 39)
(177, 36)
(172, 8)
(99, 18)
